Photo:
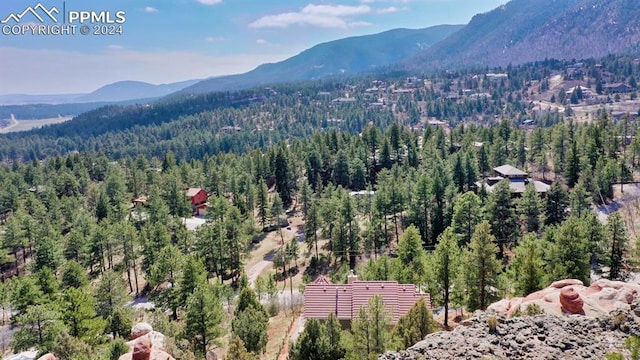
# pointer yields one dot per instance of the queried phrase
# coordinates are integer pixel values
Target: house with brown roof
(617, 88)
(518, 181)
(345, 300)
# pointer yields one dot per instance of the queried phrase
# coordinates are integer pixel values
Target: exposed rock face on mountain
(523, 30)
(579, 323)
(572, 297)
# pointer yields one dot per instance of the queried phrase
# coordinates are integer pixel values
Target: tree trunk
(135, 276)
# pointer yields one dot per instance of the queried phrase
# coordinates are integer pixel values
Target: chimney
(352, 277)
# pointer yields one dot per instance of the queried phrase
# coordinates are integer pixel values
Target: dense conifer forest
(387, 168)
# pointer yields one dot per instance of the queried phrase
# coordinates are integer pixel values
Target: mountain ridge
(348, 56)
(118, 91)
(522, 31)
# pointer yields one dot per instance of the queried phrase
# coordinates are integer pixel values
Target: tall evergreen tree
(557, 203)
(446, 265)
(369, 328)
(617, 254)
(567, 255)
(204, 315)
(467, 213)
(531, 209)
(482, 268)
(527, 267)
(111, 295)
(502, 216)
(411, 261)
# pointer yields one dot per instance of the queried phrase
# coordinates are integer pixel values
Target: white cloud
(209, 2)
(354, 24)
(115, 47)
(388, 10)
(150, 10)
(326, 16)
(267, 44)
(23, 70)
(215, 38)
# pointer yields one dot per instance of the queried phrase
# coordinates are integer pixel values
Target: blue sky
(167, 41)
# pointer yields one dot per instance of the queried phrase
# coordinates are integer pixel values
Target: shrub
(492, 321)
(273, 308)
(517, 312)
(533, 310)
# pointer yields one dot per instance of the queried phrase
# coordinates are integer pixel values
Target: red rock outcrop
(48, 356)
(146, 344)
(601, 298)
(571, 300)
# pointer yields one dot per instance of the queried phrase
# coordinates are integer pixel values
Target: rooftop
(508, 170)
(193, 191)
(345, 300)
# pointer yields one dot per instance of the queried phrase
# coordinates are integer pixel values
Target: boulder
(571, 301)
(146, 347)
(144, 329)
(48, 356)
(140, 329)
(601, 298)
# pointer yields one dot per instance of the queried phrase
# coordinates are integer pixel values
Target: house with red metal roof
(345, 300)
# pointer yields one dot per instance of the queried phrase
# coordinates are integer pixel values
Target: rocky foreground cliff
(564, 334)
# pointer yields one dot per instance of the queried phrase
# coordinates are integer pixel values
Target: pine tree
(410, 264)
(556, 206)
(369, 328)
(192, 277)
(482, 267)
(203, 317)
(446, 264)
(617, 247)
(341, 174)
(39, 327)
(467, 213)
(311, 226)
(111, 295)
(458, 174)
(579, 199)
(531, 209)
(567, 255)
(80, 316)
(237, 351)
(527, 267)
(502, 216)
(263, 202)
(312, 343)
(250, 325)
(415, 325)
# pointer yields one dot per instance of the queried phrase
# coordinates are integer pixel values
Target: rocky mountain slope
(563, 332)
(524, 31)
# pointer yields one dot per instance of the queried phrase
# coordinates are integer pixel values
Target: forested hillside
(84, 232)
(339, 58)
(195, 125)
